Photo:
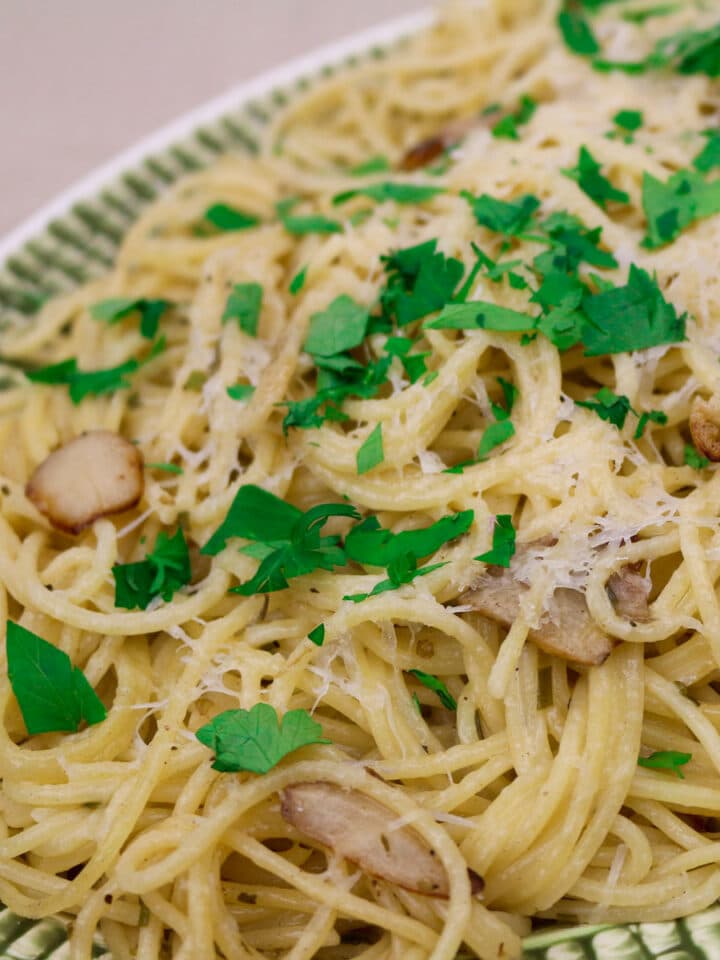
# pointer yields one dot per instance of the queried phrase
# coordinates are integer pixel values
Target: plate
(74, 239)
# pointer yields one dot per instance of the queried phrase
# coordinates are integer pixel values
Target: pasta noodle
(501, 757)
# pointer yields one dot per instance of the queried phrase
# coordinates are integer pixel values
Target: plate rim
(237, 96)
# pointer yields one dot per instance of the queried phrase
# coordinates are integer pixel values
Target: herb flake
(256, 740)
(53, 695)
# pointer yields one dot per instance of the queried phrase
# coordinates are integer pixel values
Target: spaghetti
(525, 772)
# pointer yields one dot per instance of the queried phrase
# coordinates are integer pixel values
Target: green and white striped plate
(75, 239)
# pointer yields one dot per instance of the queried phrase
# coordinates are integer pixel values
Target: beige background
(82, 79)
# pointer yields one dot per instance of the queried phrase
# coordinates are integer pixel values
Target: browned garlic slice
(365, 832)
(433, 147)
(95, 475)
(629, 592)
(705, 427)
(567, 629)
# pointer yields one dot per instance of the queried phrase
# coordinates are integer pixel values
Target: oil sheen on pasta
(533, 782)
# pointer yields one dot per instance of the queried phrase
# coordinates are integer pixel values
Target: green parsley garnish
(687, 52)
(160, 574)
(507, 128)
(318, 635)
(82, 383)
(480, 315)
(591, 181)
(641, 16)
(377, 164)
(285, 540)
(630, 120)
(244, 305)
(398, 192)
(224, 217)
(502, 216)
(633, 317)
(673, 206)
(53, 695)
(165, 467)
(650, 416)
(709, 156)
(368, 543)
(241, 392)
(371, 452)
(666, 760)
(503, 543)
(420, 281)
(340, 327)
(117, 308)
(608, 406)
(311, 223)
(615, 320)
(496, 434)
(255, 739)
(414, 364)
(298, 281)
(694, 459)
(577, 32)
(437, 686)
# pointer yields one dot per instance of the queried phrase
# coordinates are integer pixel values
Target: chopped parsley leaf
(225, 218)
(574, 243)
(694, 459)
(255, 739)
(420, 281)
(576, 31)
(165, 467)
(687, 52)
(630, 120)
(244, 305)
(289, 540)
(481, 315)
(298, 281)
(53, 695)
(632, 317)
(376, 164)
(82, 383)
(160, 574)
(641, 16)
(241, 391)
(666, 760)
(117, 308)
(398, 192)
(437, 686)
(650, 416)
(608, 406)
(340, 327)
(310, 223)
(404, 570)
(709, 156)
(371, 452)
(494, 436)
(690, 51)
(503, 543)
(369, 543)
(591, 181)
(507, 127)
(672, 206)
(509, 217)
(317, 635)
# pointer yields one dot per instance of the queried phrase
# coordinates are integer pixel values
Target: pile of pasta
(479, 721)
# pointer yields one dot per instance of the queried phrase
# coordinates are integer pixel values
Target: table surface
(81, 80)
